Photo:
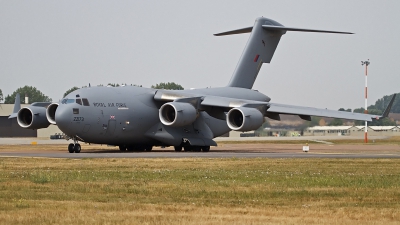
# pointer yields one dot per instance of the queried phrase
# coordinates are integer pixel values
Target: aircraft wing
(273, 110)
(230, 102)
(17, 107)
(303, 112)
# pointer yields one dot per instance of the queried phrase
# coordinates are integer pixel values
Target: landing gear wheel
(130, 148)
(148, 148)
(71, 148)
(178, 148)
(77, 148)
(122, 148)
(205, 148)
(187, 148)
(196, 148)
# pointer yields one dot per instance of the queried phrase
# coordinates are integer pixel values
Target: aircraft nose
(63, 119)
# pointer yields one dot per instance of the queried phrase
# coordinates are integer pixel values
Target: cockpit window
(79, 101)
(85, 102)
(67, 101)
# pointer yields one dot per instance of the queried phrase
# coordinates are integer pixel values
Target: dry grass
(199, 191)
(62, 148)
(391, 140)
(395, 140)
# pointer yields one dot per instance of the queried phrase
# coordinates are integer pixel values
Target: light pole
(366, 63)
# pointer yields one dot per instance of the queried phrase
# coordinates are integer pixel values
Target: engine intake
(32, 117)
(51, 113)
(177, 114)
(244, 119)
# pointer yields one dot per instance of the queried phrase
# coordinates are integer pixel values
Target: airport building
(352, 131)
(322, 131)
(10, 127)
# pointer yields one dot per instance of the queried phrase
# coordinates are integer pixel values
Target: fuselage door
(111, 127)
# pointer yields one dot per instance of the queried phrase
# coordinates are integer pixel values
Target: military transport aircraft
(137, 118)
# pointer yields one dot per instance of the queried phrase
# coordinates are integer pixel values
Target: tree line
(377, 109)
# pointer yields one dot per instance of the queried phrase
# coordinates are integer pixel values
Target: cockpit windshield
(67, 101)
(78, 101)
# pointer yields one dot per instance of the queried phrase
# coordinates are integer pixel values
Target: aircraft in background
(137, 118)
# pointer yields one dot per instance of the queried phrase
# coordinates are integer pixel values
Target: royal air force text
(119, 105)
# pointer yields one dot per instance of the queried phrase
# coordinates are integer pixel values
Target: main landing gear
(191, 148)
(138, 148)
(74, 147)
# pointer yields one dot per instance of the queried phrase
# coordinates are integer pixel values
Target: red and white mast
(366, 63)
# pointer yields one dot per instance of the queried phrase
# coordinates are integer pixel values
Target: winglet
(388, 108)
(17, 107)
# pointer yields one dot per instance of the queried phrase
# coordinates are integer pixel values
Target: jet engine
(32, 117)
(51, 113)
(244, 119)
(177, 114)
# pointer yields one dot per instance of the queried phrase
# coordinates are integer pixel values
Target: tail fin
(17, 106)
(264, 38)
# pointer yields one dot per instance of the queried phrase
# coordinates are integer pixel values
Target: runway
(58, 149)
(198, 155)
(46, 141)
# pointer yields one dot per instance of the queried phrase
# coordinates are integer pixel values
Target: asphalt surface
(20, 147)
(198, 155)
(45, 141)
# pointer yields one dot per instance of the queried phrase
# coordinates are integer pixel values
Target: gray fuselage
(130, 115)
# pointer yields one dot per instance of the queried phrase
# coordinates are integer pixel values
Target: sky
(55, 45)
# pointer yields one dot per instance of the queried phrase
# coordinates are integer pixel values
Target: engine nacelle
(51, 113)
(177, 114)
(244, 119)
(33, 117)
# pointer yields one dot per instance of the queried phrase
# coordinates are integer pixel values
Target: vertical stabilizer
(259, 49)
(17, 106)
(261, 46)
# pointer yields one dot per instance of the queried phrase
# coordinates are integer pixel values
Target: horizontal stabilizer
(282, 28)
(264, 38)
(239, 31)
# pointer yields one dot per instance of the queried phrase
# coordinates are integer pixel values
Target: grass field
(199, 191)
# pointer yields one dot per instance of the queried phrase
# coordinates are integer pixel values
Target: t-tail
(264, 38)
